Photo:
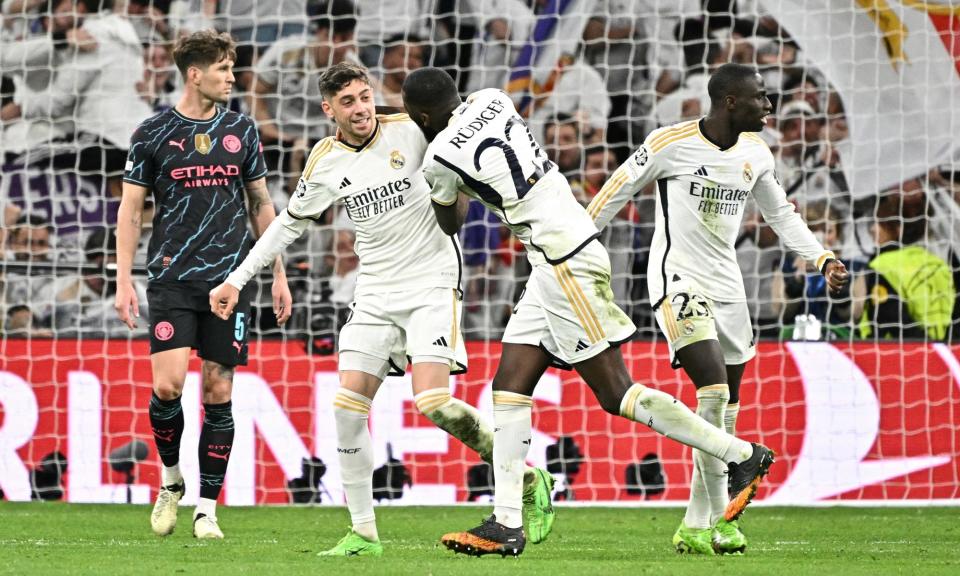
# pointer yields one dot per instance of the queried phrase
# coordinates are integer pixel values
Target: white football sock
(708, 470)
(670, 417)
(207, 507)
(511, 442)
(170, 475)
(355, 450)
(457, 418)
(730, 418)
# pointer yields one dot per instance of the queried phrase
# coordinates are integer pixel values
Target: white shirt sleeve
(640, 169)
(308, 202)
(782, 216)
(279, 234)
(444, 183)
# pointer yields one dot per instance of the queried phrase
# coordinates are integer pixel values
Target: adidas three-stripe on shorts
(568, 309)
(387, 331)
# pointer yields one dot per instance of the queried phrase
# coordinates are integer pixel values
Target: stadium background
(866, 108)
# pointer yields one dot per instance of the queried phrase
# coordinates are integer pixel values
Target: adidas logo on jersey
(702, 171)
(581, 345)
(346, 182)
(441, 341)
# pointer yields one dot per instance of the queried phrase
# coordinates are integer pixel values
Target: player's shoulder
(159, 119)
(321, 157)
(234, 118)
(396, 119)
(756, 147)
(665, 138)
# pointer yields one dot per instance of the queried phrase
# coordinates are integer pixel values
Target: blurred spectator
(159, 87)
(286, 99)
(799, 290)
(561, 142)
(380, 21)
(579, 92)
(401, 55)
(808, 167)
(82, 303)
(687, 103)
(802, 86)
(503, 27)
(907, 291)
(149, 19)
(188, 16)
(28, 242)
(32, 62)
(97, 89)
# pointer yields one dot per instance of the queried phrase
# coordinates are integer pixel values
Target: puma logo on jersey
(346, 182)
(178, 144)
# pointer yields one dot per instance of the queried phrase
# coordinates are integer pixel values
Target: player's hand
(126, 299)
(836, 275)
(223, 299)
(282, 300)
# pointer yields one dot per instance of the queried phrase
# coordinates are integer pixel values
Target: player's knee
(429, 401)
(167, 390)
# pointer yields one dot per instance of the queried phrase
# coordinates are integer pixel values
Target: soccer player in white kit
(705, 170)
(566, 316)
(408, 294)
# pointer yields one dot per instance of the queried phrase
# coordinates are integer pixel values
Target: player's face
(752, 106)
(353, 110)
(216, 81)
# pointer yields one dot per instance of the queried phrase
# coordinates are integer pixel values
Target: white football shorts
(568, 309)
(387, 331)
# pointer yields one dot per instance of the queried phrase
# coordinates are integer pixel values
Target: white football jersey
(398, 241)
(487, 152)
(701, 192)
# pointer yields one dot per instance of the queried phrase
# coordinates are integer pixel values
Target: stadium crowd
(78, 76)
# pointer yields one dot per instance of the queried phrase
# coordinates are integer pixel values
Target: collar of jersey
(368, 142)
(218, 108)
(711, 142)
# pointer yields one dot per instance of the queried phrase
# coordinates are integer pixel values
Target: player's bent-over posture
(408, 295)
(705, 170)
(197, 159)
(566, 315)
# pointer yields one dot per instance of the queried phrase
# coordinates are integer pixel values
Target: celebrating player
(705, 170)
(566, 316)
(197, 159)
(408, 294)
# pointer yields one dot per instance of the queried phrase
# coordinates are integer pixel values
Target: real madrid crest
(747, 172)
(202, 143)
(397, 160)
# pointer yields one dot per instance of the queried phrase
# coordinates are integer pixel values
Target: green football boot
(693, 540)
(354, 544)
(538, 506)
(728, 539)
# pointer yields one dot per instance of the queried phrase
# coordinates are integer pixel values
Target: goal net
(859, 394)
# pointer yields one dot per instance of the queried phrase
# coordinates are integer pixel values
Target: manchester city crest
(397, 160)
(202, 143)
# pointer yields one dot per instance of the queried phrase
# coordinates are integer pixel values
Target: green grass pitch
(56, 538)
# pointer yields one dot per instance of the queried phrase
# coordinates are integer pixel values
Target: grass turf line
(57, 538)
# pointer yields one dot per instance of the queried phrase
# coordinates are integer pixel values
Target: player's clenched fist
(223, 299)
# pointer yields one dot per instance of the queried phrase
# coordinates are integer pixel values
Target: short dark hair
(203, 48)
(101, 242)
(338, 76)
(727, 80)
(33, 221)
(338, 16)
(429, 88)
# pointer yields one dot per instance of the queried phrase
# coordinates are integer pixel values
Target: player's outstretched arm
(129, 223)
(640, 169)
(261, 215)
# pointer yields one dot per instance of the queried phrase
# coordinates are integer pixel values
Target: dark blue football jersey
(196, 170)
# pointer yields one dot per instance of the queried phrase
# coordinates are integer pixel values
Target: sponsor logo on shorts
(163, 331)
(231, 143)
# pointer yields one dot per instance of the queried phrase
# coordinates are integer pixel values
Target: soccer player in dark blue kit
(198, 159)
